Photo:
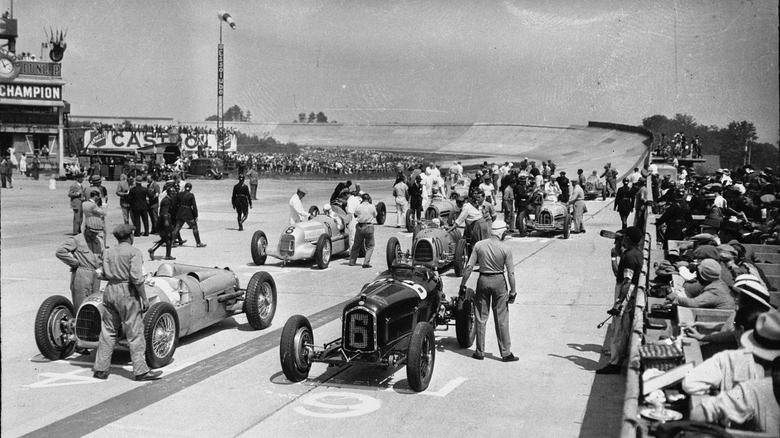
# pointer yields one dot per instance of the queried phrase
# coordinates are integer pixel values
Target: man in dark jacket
(188, 213)
(165, 224)
(139, 207)
(242, 201)
(624, 202)
(563, 183)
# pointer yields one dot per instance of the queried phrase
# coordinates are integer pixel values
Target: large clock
(9, 65)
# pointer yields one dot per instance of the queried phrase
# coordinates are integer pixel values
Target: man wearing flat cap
(365, 216)
(629, 269)
(124, 301)
(714, 295)
(297, 213)
(83, 253)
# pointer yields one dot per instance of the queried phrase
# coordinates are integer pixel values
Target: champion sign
(35, 92)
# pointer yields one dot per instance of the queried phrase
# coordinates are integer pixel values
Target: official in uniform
(365, 216)
(624, 202)
(165, 225)
(242, 201)
(124, 301)
(629, 269)
(188, 213)
(83, 253)
(495, 268)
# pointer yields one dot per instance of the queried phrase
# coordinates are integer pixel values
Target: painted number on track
(337, 405)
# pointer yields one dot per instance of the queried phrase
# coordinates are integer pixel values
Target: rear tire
(161, 331)
(260, 300)
(323, 252)
(461, 257)
(51, 324)
(393, 251)
(209, 174)
(293, 353)
(421, 357)
(465, 324)
(259, 245)
(381, 213)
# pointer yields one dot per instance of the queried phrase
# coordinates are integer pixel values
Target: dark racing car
(389, 323)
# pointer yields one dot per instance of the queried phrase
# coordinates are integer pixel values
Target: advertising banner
(134, 140)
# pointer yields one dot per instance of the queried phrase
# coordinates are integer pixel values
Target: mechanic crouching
(124, 300)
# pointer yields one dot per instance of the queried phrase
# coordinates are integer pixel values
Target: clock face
(9, 65)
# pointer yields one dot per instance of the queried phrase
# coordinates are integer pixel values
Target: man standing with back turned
(124, 300)
(494, 258)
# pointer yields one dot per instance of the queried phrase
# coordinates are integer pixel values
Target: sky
(538, 62)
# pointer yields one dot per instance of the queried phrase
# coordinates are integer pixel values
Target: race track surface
(569, 147)
(227, 380)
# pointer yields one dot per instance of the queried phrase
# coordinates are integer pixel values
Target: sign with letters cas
(134, 140)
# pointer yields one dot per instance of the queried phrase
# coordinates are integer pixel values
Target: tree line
(729, 142)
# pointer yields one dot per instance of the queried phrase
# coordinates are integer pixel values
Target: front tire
(293, 352)
(260, 300)
(461, 257)
(381, 213)
(410, 220)
(218, 175)
(421, 357)
(161, 331)
(567, 225)
(259, 245)
(393, 251)
(323, 252)
(51, 328)
(465, 324)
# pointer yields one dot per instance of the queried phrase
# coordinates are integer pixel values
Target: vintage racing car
(554, 217)
(390, 322)
(594, 188)
(439, 208)
(433, 247)
(320, 238)
(183, 299)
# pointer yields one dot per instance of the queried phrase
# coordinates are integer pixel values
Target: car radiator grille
(88, 324)
(287, 245)
(360, 331)
(545, 218)
(423, 252)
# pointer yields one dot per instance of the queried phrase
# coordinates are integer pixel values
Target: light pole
(224, 17)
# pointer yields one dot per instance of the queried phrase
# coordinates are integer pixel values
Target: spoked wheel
(161, 330)
(422, 355)
(259, 245)
(294, 350)
(393, 251)
(52, 328)
(410, 220)
(260, 300)
(323, 251)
